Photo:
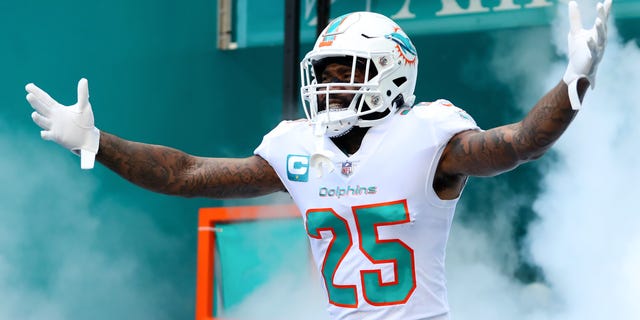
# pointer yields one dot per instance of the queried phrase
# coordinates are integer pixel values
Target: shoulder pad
(442, 109)
(286, 126)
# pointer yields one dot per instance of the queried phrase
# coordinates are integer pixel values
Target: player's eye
(333, 78)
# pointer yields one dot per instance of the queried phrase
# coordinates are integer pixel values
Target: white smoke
(287, 295)
(586, 240)
(61, 255)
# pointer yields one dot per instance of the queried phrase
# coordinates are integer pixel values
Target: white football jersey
(377, 230)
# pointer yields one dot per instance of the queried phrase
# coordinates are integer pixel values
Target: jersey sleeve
(264, 150)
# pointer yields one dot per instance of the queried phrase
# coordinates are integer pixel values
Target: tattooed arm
(170, 171)
(488, 153)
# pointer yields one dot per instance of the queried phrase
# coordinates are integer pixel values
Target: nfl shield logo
(347, 168)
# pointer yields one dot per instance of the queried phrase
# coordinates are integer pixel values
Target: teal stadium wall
(86, 244)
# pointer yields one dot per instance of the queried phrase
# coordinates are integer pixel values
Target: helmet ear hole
(399, 81)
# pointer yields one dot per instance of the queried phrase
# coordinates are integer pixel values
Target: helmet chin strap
(321, 159)
(335, 123)
(342, 133)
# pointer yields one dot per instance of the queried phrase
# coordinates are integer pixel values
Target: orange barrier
(208, 219)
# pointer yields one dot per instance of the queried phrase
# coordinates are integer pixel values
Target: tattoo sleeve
(170, 171)
(503, 148)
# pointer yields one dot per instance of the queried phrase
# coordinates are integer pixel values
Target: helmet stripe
(330, 33)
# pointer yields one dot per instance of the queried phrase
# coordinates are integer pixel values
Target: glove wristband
(571, 79)
(90, 149)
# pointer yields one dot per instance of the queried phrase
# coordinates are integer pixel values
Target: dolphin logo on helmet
(407, 49)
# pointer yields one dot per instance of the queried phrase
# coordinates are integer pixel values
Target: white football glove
(70, 126)
(586, 48)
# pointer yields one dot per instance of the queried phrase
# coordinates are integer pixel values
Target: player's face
(339, 73)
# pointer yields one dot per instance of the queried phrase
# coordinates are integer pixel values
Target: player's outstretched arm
(170, 171)
(157, 168)
(491, 152)
(488, 153)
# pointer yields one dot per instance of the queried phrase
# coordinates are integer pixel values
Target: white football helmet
(376, 45)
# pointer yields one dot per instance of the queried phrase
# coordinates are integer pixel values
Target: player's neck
(350, 142)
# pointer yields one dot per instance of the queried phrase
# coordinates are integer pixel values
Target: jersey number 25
(368, 218)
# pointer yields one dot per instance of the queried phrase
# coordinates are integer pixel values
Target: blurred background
(554, 239)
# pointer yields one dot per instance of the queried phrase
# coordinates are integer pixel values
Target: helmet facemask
(333, 91)
(337, 105)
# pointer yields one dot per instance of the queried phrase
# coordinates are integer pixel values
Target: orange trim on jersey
(207, 221)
